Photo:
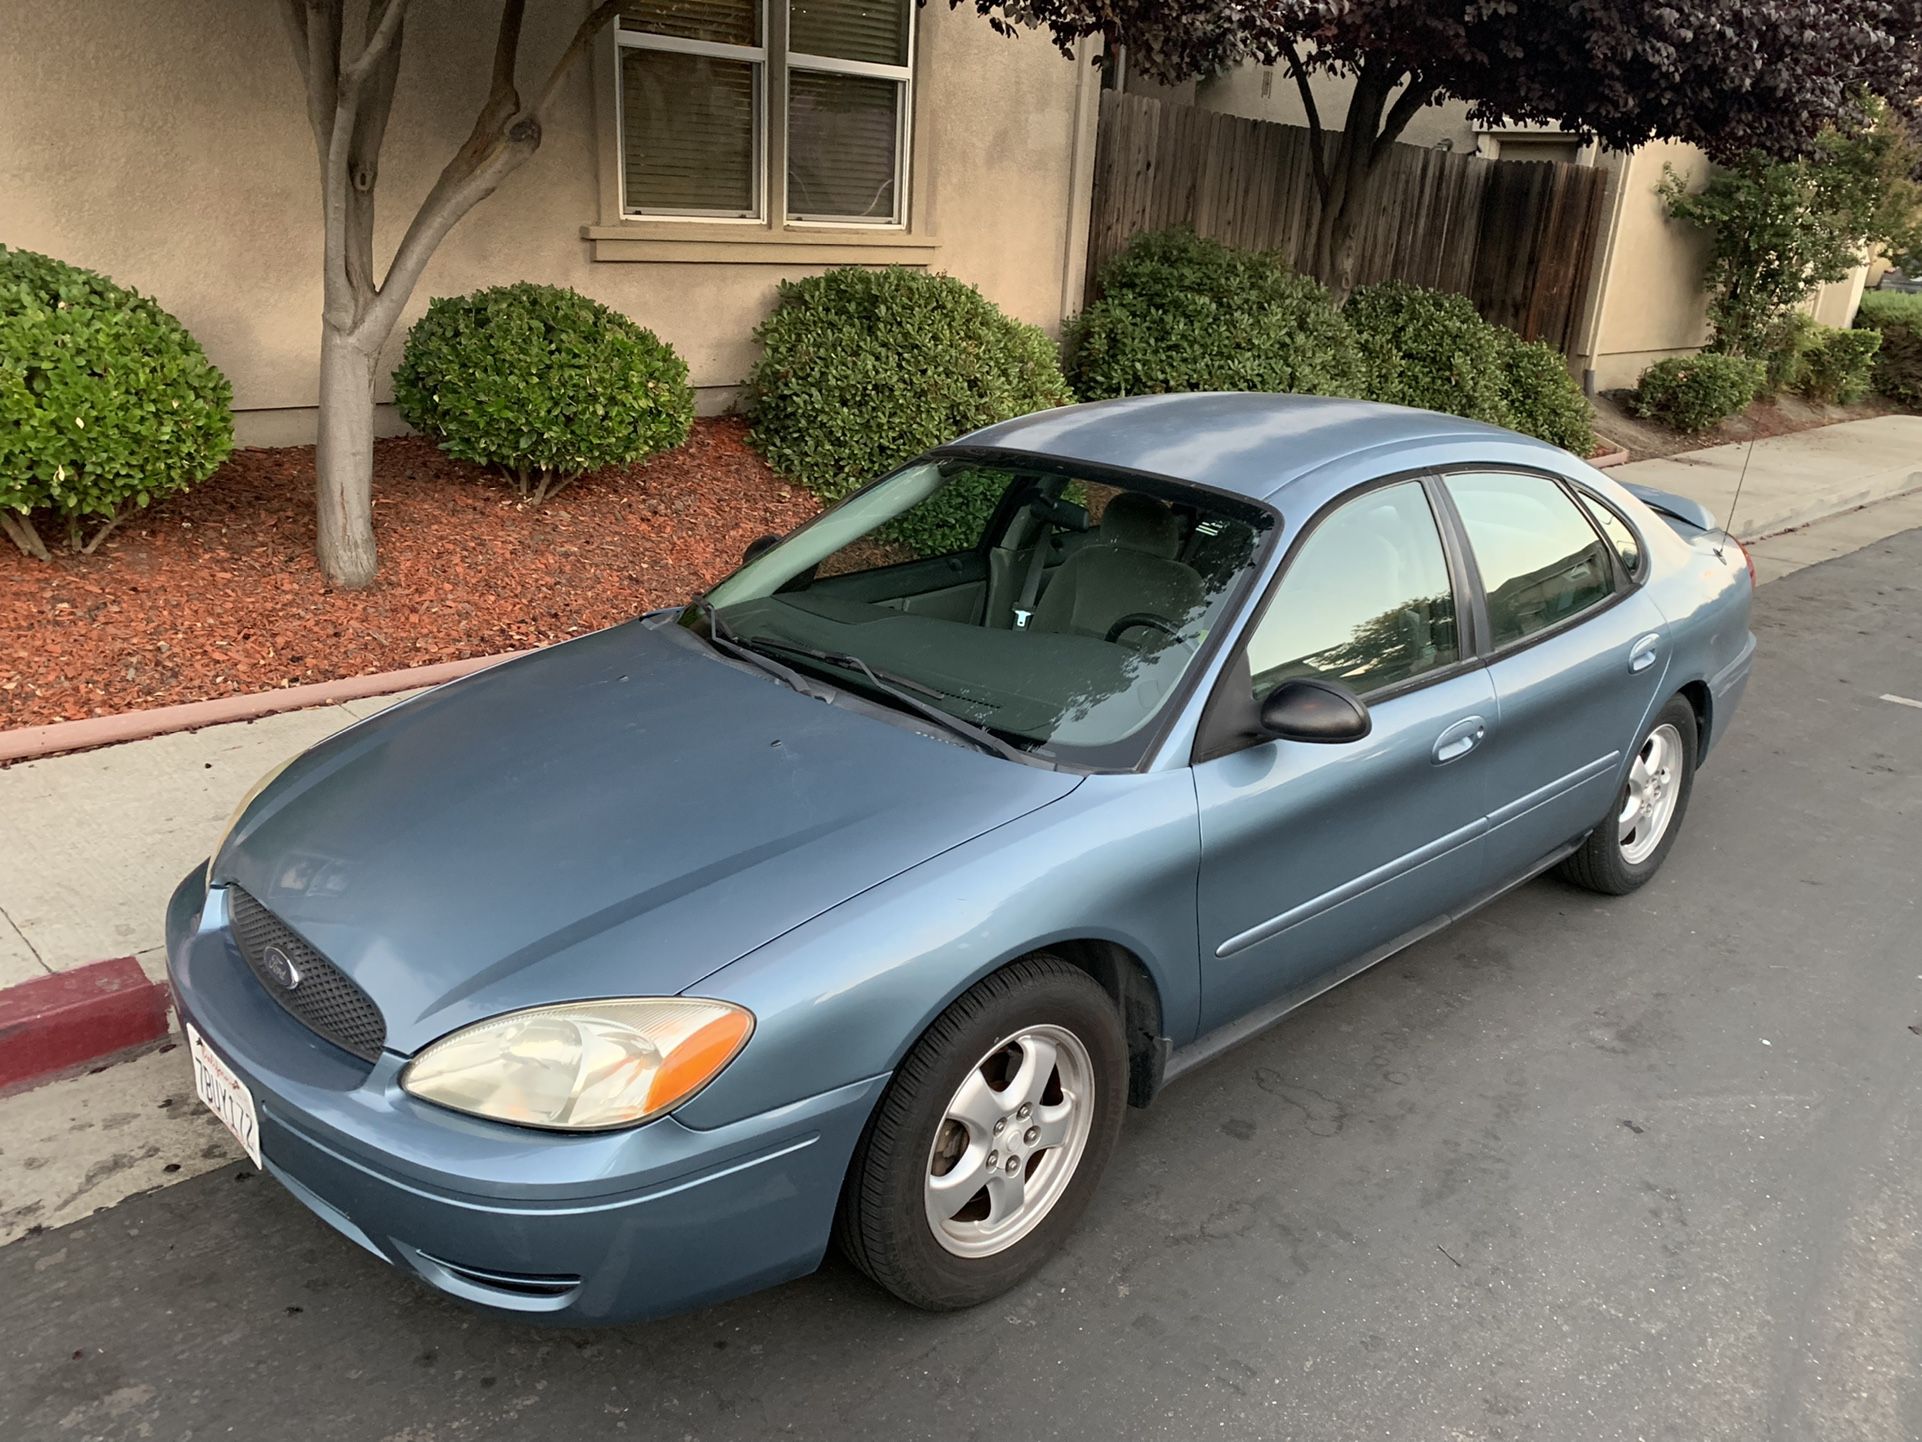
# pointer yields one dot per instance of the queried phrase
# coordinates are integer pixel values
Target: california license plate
(225, 1094)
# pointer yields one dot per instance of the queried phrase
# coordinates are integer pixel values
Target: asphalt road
(1577, 1168)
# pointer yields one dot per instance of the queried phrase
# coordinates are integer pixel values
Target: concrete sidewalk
(1793, 479)
(96, 841)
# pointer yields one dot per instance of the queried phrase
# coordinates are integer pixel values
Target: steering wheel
(1152, 622)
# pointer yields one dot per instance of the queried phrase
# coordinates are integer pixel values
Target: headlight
(239, 811)
(582, 1066)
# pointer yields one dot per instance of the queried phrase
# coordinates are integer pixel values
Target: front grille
(325, 1000)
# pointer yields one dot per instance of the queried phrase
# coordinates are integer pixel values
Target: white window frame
(760, 56)
(903, 75)
(773, 62)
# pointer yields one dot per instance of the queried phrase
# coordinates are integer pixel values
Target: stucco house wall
(166, 143)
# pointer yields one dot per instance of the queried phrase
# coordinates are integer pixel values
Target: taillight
(1748, 561)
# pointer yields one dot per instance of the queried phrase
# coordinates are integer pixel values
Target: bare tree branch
(507, 46)
(376, 45)
(371, 111)
(583, 38)
(498, 145)
(1316, 137)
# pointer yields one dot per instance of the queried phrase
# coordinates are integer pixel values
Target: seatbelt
(1031, 582)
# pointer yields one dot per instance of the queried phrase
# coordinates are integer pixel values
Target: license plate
(225, 1094)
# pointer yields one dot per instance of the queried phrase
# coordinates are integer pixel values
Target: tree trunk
(344, 458)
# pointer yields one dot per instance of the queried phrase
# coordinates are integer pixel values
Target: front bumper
(569, 1228)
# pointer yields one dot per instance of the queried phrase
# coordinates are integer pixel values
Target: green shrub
(862, 370)
(1543, 399)
(1692, 393)
(1785, 352)
(1179, 313)
(541, 382)
(1840, 365)
(1897, 317)
(105, 401)
(1429, 349)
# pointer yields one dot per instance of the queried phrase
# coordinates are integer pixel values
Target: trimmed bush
(862, 370)
(1840, 365)
(1692, 393)
(1785, 351)
(541, 382)
(1429, 349)
(1179, 313)
(1897, 317)
(106, 401)
(1543, 399)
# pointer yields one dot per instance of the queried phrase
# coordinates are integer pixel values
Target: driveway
(1576, 1168)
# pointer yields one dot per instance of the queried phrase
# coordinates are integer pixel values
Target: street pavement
(1577, 1167)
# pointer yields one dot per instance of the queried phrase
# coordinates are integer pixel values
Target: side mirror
(760, 545)
(1312, 710)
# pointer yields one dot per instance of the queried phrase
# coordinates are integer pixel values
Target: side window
(1366, 601)
(1620, 534)
(1540, 560)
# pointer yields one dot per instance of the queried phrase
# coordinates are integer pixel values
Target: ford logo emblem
(280, 967)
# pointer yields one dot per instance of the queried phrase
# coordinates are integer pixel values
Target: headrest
(1140, 523)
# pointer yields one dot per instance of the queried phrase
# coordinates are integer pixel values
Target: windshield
(1057, 611)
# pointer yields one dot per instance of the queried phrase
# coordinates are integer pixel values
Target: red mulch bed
(216, 593)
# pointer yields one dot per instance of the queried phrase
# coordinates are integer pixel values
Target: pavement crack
(25, 941)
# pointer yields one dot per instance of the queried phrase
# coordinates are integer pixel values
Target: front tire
(1631, 843)
(991, 1138)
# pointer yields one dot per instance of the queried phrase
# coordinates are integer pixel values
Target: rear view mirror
(1314, 710)
(760, 545)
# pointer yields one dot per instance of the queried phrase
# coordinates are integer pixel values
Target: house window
(738, 109)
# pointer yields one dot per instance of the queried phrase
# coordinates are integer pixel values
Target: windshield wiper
(843, 658)
(900, 689)
(722, 637)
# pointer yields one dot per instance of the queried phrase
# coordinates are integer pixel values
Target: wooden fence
(1515, 237)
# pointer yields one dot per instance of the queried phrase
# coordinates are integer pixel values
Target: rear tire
(1018, 1086)
(1634, 839)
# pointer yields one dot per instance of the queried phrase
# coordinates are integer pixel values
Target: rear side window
(1627, 545)
(1541, 562)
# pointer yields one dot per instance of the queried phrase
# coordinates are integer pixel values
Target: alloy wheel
(1009, 1141)
(1648, 801)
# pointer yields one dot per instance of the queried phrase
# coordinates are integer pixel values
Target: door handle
(1642, 654)
(1461, 738)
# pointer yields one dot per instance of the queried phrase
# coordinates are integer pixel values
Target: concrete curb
(56, 1023)
(31, 742)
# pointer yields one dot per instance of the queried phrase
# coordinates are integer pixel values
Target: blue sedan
(858, 899)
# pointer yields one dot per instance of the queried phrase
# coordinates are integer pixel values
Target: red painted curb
(30, 742)
(55, 1023)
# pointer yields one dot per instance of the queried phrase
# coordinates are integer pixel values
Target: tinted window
(1619, 534)
(1366, 600)
(1540, 561)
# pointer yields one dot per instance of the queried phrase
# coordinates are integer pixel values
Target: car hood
(616, 816)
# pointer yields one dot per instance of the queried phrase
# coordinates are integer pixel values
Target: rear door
(1577, 653)
(1315, 856)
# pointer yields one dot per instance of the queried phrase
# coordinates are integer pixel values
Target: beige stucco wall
(1647, 302)
(1269, 93)
(165, 142)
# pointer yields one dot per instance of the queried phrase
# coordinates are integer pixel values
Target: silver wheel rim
(1009, 1141)
(1648, 801)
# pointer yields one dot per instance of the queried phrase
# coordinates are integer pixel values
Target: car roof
(1247, 443)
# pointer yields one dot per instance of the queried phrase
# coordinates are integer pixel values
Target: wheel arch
(1131, 985)
(1696, 693)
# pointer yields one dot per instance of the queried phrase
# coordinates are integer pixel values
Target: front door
(1314, 856)
(1577, 654)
